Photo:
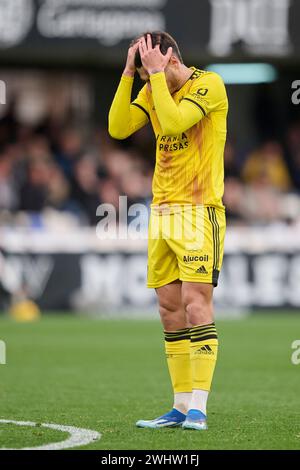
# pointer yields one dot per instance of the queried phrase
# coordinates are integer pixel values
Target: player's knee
(199, 314)
(199, 310)
(168, 313)
(166, 310)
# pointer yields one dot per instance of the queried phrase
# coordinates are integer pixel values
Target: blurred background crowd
(53, 169)
(57, 167)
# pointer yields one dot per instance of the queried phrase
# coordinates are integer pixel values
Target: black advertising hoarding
(105, 283)
(98, 31)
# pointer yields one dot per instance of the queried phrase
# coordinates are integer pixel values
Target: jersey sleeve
(174, 119)
(141, 103)
(125, 117)
(208, 93)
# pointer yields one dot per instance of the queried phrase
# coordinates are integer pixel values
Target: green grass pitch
(106, 374)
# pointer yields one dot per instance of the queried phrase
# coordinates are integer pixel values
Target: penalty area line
(78, 436)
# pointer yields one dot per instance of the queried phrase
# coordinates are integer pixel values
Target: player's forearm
(172, 118)
(120, 123)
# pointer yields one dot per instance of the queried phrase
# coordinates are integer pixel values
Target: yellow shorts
(185, 244)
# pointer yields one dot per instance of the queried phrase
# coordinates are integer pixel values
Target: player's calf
(197, 299)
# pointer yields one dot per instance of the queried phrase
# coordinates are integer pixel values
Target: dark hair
(164, 40)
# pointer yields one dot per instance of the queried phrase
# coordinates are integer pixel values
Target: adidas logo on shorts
(201, 270)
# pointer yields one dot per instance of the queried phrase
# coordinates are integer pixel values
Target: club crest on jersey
(202, 91)
(199, 94)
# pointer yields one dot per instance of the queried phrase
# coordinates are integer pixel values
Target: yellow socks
(177, 345)
(191, 356)
(203, 355)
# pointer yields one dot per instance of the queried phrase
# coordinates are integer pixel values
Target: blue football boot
(169, 420)
(195, 419)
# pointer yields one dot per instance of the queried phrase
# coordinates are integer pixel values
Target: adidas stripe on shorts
(186, 243)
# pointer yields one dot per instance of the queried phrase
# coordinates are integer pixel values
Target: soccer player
(187, 108)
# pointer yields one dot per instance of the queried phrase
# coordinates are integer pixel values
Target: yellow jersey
(190, 132)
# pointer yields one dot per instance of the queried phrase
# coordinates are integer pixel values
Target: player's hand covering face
(152, 59)
(130, 67)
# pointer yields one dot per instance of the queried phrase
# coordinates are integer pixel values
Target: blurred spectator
(108, 192)
(135, 185)
(58, 191)
(69, 149)
(33, 193)
(8, 125)
(233, 197)
(8, 196)
(85, 183)
(117, 163)
(231, 167)
(261, 201)
(267, 164)
(293, 149)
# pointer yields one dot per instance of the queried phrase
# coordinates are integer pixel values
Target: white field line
(78, 436)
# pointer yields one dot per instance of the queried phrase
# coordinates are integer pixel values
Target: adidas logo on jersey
(205, 350)
(201, 270)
